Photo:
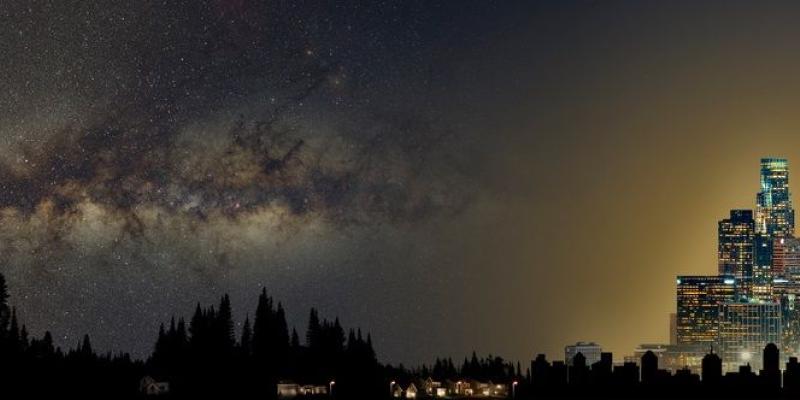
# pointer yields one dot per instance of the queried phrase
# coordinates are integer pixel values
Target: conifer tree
(246, 343)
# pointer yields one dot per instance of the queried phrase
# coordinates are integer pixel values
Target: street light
(514, 390)
(330, 388)
(391, 388)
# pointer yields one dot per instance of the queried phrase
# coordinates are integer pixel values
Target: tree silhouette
(205, 360)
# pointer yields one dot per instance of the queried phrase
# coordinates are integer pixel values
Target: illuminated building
(774, 219)
(590, 350)
(774, 212)
(735, 249)
(676, 357)
(698, 300)
(787, 291)
(744, 330)
(786, 258)
(762, 268)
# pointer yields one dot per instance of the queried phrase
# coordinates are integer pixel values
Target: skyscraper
(774, 212)
(761, 287)
(698, 300)
(735, 249)
(774, 219)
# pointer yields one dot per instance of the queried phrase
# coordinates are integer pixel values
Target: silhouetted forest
(204, 358)
(200, 358)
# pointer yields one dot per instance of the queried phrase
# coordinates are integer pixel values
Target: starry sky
(507, 177)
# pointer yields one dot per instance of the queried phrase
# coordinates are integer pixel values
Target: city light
(753, 299)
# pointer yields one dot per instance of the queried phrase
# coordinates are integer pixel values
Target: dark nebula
(158, 154)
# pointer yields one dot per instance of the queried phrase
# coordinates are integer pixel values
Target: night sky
(507, 177)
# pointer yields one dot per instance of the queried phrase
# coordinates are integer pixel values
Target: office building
(698, 300)
(787, 292)
(786, 258)
(590, 350)
(744, 330)
(735, 240)
(774, 212)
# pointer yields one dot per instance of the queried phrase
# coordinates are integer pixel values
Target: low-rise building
(411, 391)
(290, 389)
(431, 387)
(151, 387)
(590, 350)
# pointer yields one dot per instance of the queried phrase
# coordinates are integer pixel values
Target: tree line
(203, 356)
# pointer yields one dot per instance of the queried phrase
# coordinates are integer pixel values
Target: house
(471, 388)
(397, 391)
(313, 390)
(482, 388)
(151, 387)
(411, 391)
(289, 390)
(430, 387)
(456, 388)
(499, 390)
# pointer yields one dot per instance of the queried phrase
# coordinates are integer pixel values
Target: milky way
(159, 154)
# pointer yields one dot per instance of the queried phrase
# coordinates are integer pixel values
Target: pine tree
(337, 336)
(23, 338)
(13, 332)
(225, 325)
(246, 343)
(47, 343)
(371, 351)
(180, 334)
(351, 341)
(86, 347)
(5, 312)
(161, 345)
(196, 327)
(295, 344)
(314, 329)
(262, 326)
(280, 339)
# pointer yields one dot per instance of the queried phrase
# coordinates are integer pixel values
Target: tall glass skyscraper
(774, 212)
(774, 219)
(735, 249)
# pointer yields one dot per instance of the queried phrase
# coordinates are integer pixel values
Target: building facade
(787, 292)
(744, 330)
(774, 220)
(786, 258)
(590, 350)
(735, 241)
(774, 212)
(698, 300)
(762, 268)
